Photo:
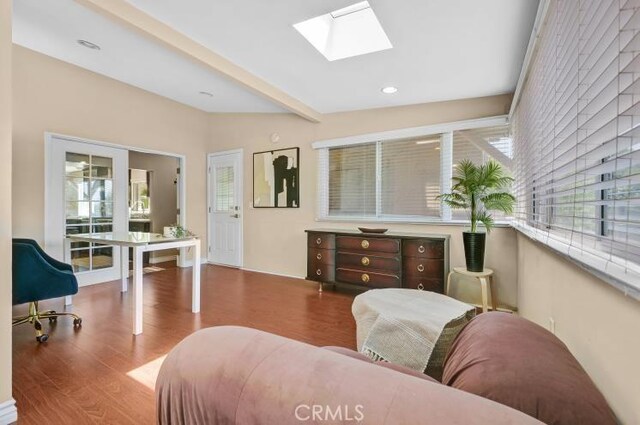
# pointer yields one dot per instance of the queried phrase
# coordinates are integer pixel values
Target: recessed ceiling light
(389, 90)
(351, 31)
(88, 44)
(206, 93)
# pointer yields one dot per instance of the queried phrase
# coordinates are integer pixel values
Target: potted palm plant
(479, 189)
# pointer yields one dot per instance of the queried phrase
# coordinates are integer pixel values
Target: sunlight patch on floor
(147, 373)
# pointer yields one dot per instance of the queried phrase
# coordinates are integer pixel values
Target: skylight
(347, 32)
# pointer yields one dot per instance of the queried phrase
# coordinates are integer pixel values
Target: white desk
(141, 242)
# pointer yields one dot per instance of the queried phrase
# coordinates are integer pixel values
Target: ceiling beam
(126, 14)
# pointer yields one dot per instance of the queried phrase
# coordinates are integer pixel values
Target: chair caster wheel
(77, 322)
(53, 319)
(42, 338)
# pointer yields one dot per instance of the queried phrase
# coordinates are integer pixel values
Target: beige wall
(598, 323)
(275, 240)
(164, 194)
(53, 96)
(5, 205)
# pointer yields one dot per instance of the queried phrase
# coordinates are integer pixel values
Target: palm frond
(486, 219)
(454, 200)
(500, 201)
(480, 189)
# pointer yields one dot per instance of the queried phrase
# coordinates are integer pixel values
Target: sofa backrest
(233, 375)
(515, 362)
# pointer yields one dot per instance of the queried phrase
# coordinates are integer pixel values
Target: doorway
(225, 200)
(153, 198)
(85, 192)
(87, 189)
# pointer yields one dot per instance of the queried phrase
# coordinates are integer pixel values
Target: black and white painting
(276, 178)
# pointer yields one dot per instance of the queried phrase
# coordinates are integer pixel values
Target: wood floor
(80, 376)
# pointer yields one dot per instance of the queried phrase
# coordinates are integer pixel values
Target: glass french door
(89, 208)
(86, 192)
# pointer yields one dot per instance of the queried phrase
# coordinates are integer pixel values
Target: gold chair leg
(35, 315)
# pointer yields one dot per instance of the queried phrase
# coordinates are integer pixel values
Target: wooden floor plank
(80, 375)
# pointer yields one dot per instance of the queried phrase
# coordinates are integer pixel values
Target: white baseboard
(164, 259)
(8, 412)
(273, 273)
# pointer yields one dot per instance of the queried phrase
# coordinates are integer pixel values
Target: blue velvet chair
(37, 277)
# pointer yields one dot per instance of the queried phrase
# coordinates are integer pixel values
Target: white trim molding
(541, 16)
(406, 133)
(8, 412)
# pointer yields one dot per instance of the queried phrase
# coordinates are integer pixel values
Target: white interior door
(85, 192)
(225, 208)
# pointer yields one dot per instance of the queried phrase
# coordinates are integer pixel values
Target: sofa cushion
(397, 368)
(518, 363)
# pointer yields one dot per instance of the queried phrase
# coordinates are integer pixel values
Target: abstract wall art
(276, 178)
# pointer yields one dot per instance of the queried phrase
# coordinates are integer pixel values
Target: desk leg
(124, 266)
(68, 300)
(195, 284)
(137, 290)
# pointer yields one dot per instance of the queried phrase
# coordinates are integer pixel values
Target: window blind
(576, 138)
(381, 180)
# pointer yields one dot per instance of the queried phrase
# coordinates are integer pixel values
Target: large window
(577, 136)
(399, 179)
(385, 179)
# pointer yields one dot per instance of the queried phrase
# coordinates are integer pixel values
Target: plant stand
(484, 278)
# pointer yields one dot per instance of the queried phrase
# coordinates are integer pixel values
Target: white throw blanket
(409, 327)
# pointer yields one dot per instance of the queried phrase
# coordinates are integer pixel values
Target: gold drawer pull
(318, 272)
(365, 278)
(365, 261)
(421, 249)
(420, 268)
(319, 241)
(365, 244)
(319, 256)
(420, 287)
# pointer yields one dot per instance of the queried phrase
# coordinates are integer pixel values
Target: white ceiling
(53, 27)
(442, 50)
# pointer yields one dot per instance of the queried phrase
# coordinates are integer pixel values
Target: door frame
(210, 156)
(182, 180)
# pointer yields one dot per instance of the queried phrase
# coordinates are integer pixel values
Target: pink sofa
(234, 375)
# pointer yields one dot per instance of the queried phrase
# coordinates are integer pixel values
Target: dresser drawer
(422, 268)
(369, 279)
(364, 262)
(425, 284)
(320, 272)
(361, 244)
(321, 256)
(321, 240)
(423, 248)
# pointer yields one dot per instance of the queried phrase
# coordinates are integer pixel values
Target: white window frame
(446, 167)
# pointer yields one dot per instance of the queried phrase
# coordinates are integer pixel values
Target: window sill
(625, 279)
(427, 221)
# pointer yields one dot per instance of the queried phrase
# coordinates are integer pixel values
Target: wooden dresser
(390, 260)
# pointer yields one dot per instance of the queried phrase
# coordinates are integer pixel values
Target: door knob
(235, 216)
